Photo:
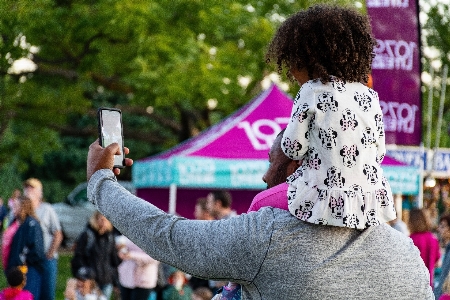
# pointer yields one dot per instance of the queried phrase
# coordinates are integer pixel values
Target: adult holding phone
(272, 253)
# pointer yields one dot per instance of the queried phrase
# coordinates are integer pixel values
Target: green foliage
(159, 61)
(436, 37)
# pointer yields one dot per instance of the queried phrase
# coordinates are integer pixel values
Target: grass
(63, 274)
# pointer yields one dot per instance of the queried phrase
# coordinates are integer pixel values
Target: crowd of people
(324, 228)
(104, 260)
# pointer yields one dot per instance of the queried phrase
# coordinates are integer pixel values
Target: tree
(173, 67)
(436, 41)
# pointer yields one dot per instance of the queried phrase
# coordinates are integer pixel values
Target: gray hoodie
(270, 253)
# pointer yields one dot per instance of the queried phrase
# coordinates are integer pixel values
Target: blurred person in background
(444, 238)
(201, 211)
(219, 205)
(7, 238)
(27, 247)
(95, 248)
(138, 272)
(51, 229)
(83, 286)
(178, 288)
(419, 225)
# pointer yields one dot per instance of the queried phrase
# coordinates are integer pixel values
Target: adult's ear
(292, 166)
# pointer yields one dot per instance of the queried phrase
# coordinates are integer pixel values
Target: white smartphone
(111, 131)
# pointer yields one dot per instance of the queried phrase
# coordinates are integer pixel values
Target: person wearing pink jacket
(138, 272)
(420, 232)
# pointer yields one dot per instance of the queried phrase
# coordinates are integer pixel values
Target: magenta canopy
(232, 154)
(246, 134)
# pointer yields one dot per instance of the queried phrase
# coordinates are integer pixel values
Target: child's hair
(325, 40)
(15, 277)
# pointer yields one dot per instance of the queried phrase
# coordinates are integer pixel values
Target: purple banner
(396, 68)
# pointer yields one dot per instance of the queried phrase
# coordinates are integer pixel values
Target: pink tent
(231, 155)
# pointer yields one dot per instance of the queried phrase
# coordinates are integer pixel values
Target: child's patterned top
(337, 130)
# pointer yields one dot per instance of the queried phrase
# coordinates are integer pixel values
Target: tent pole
(419, 199)
(172, 198)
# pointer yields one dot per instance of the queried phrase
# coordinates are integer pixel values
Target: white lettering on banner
(249, 174)
(196, 172)
(387, 3)
(391, 54)
(442, 161)
(259, 139)
(399, 117)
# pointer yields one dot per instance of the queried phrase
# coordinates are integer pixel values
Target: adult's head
(25, 209)
(280, 166)
(324, 40)
(418, 221)
(177, 278)
(100, 223)
(219, 203)
(444, 229)
(32, 188)
(201, 211)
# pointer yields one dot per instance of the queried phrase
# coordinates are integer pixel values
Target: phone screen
(110, 122)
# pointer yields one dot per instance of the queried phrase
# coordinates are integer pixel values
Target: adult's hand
(103, 158)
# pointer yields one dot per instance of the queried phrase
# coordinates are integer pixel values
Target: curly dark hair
(326, 40)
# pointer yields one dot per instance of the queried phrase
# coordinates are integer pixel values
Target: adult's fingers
(113, 149)
(128, 162)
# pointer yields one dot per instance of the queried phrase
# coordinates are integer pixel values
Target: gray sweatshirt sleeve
(232, 249)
